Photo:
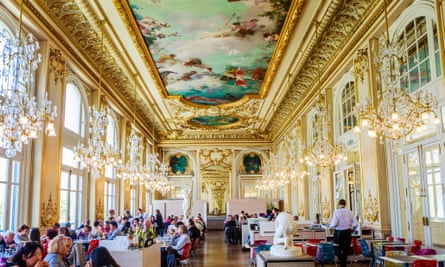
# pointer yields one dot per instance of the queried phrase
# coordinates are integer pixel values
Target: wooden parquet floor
(213, 252)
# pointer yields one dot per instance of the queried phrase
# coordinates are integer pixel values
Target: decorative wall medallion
(371, 209)
(216, 157)
(252, 163)
(48, 214)
(178, 164)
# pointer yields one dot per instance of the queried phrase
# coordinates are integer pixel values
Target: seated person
(84, 234)
(9, 240)
(29, 255)
(230, 232)
(114, 231)
(101, 257)
(58, 249)
(193, 231)
(176, 250)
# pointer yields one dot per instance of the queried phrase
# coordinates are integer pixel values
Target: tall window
(348, 118)
(133, 196)
(110, 190)
(71, 178)
(10, 170)
(419, 39)
(9, 186)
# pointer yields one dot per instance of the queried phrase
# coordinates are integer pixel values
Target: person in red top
(50, 234)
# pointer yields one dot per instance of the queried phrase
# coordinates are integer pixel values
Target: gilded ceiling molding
(56, 64)
(216, 157)
(339, 31)
(181, 113)
(85, 36)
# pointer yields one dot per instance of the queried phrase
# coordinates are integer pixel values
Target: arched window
(110, 187)
(348, 119)
(71, 178)
(10, 175)
(419, 39)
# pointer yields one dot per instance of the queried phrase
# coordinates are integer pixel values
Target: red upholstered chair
(92, 245)
(311, 249)
(185, 258)
(424, 263)
(417, 245)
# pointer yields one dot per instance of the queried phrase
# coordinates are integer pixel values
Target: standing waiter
(343, 222)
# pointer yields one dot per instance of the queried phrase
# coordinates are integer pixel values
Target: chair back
(195, 243)
(424, 263)
(365, 248)
(263, 247)
(92, 245)
(417, 244)
(426, 251)
(325, 253)
(356, 247)
(186, 251)
(394, 253)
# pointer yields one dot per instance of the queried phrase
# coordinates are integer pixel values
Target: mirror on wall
(215, 189)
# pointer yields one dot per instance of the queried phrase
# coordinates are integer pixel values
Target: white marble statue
(187, 203)
(285, 228)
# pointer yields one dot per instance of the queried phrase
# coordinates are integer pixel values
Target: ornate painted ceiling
(207, 70)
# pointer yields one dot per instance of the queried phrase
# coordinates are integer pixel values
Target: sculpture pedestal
(278, 250)
(265, 259)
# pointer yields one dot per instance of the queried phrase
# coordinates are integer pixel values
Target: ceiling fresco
(220, 76)
(210, 52)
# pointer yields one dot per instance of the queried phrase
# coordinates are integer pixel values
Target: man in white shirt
(343, 222)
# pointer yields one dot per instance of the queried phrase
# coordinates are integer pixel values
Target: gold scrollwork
(361, 64)
(326, 209)
(99, 210)
(57, 64)
(48, 215)
(371, 209)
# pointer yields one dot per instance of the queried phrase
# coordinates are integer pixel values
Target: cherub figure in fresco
(171, 58)
(245, 27)
(238, 75)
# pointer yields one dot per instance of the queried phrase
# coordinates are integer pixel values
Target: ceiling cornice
(337, 31)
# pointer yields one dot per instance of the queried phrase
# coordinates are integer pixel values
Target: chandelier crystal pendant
(156, 175)
(397, 113)
(97, 154)
(21, 116)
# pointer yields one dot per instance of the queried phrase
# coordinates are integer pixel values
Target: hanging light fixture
(156, 173)
(322, 154)
(397, 113)
(133, 170)
(21, 117)
(98, 154)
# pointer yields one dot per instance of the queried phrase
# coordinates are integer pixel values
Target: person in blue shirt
(177, 249)
(114, 231)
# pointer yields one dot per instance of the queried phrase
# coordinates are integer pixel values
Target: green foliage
(278, 13)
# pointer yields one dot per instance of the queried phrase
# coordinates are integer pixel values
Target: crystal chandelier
(397, 113)
(156, 174)
(21, 117)
(133, 170)
(97, 154)
(322, 153)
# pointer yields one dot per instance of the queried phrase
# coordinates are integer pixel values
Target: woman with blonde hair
(58, 249)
